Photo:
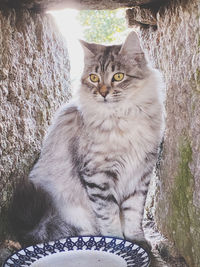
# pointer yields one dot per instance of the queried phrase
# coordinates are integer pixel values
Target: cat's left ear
(90, 49)
(87, 48)
(131, 45)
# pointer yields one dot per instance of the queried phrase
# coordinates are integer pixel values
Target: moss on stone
(198, 79)
(195, 81)
(184, 221)
(199, 42)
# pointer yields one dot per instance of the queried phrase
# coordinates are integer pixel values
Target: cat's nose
(103, 90)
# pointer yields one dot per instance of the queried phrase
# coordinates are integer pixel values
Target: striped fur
(99, 153)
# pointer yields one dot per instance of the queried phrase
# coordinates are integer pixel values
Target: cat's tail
(33, 217)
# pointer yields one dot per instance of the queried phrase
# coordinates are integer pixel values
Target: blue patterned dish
(89, 251)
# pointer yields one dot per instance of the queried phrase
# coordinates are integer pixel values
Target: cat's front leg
(132, 209)
(104, 203)
(132, 214)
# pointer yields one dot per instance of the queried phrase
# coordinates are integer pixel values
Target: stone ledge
(141, 16)
(77, 4)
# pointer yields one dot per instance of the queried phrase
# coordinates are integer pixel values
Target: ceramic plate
(87, 251)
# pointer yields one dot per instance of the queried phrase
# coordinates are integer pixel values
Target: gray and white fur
(99, 153)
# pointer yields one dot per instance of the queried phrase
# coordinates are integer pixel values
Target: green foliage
(103, 26)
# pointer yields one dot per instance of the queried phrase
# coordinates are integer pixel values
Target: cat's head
(112, 73)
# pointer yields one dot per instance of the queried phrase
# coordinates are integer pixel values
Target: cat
(97, 158)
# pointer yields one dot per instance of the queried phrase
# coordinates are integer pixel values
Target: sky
(71, 29)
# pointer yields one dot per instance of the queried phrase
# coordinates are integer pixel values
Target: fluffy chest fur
(126, 138)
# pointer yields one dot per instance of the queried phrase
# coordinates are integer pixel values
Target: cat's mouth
(103, 100)
(106, 99)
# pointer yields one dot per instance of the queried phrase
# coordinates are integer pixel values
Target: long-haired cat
(96, 162)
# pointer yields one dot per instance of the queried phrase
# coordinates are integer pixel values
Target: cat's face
(112, 73)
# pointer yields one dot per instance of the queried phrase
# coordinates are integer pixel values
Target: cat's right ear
(131, 44)
(88, 48)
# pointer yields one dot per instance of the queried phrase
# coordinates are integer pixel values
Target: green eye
(94, 78)
(118, 77)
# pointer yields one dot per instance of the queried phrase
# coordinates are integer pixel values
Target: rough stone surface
(78, 4)
(175, 49)
(164, 254)
(143, 16)
(34, 81)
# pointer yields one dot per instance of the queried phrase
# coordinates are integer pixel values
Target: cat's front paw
(140, 240)
(144, 244)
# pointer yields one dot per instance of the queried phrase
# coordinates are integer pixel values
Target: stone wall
(174, 47)
(39, 5)
(34, 81)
